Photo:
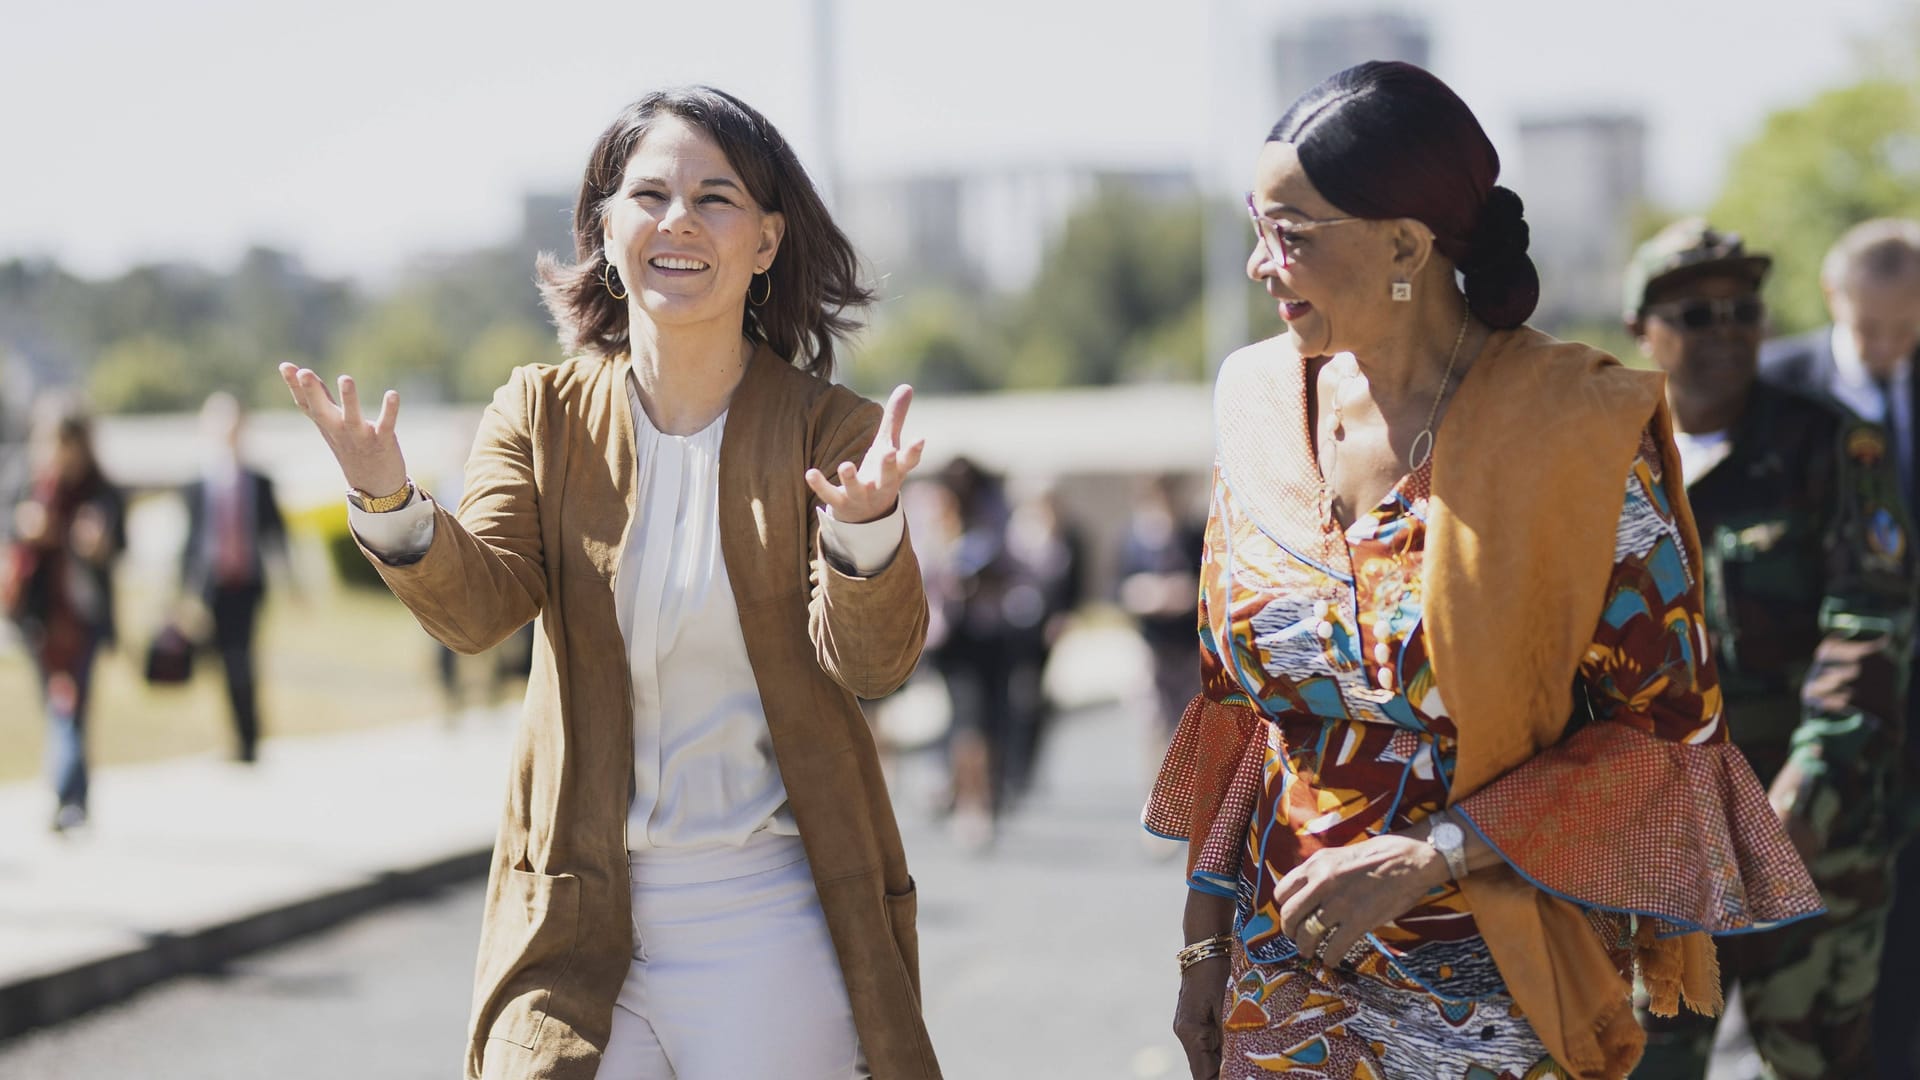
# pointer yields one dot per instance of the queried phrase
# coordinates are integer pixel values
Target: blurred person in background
(1808, 566)
(698, 873)
(1048, 557)
(1160, 589)
(1458, 770)
(234, 529)
(974, 656)
(1865, 360)
(66, 529)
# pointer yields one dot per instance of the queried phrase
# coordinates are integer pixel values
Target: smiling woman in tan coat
(698, 874)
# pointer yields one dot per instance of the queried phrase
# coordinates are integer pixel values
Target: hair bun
(1502, 284)
(1501, 235)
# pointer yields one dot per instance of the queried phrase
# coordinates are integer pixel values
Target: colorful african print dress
(1343, 733)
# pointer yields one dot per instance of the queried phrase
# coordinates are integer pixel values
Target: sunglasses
(1745, 312)
(1282, 242)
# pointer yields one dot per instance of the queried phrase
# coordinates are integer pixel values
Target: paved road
(1047, 957)
(1050, 957)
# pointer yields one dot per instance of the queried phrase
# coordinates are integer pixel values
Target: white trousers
(733, 976)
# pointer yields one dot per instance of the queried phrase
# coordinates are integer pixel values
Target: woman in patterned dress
(1458, 773)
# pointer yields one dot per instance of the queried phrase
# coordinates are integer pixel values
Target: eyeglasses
(1282, 242)
(1745, 312)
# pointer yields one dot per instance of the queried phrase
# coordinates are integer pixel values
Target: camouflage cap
(1687, 248)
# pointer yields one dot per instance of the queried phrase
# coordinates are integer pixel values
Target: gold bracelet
(1218, 945)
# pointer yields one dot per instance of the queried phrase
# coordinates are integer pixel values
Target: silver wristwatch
(1450, 841)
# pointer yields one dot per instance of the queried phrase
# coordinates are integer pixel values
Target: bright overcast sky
(362, 133)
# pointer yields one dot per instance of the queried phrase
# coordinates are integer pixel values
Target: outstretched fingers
(893, 417)
(350, 402)
(389, 414)
(832, 496)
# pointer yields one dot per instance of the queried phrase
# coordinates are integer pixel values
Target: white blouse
(704, 775)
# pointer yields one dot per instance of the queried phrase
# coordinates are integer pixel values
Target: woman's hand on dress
(368, 452)
(1355, 890)
(868, 492)
(1196, 1015)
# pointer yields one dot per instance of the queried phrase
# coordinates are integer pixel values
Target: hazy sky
(360, 133)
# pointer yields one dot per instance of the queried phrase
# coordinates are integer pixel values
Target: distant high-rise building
(1585, 180)
(546, 224)
(1283, 58)
(1327, 44)
(987, 229)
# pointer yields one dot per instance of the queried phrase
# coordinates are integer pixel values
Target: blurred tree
(145, 373)
(1117, 297)
(398, 344)
(939, 341)
(1122, 268)
(1813, 171)
(500, 348)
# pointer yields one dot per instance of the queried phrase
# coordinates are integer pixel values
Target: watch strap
(381, 504)
(1449, 840)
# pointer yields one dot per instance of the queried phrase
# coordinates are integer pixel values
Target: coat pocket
(903, 911)
(527, 945)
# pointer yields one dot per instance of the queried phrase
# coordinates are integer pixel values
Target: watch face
(1447, 835)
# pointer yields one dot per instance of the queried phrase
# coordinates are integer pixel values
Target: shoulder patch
(1866, 445)
(1885, 536)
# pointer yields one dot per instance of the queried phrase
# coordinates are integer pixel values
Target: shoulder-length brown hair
(815, 278)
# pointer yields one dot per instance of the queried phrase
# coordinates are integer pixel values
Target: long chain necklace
(1422, 447)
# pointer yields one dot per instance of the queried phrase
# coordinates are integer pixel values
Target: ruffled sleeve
(1645, 813)
(1210, 778)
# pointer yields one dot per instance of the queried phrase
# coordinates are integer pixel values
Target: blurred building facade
(984, 230)
(1287, 57)
(1586, 181)
(1326, 44)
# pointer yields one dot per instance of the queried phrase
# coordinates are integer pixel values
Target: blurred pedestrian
(1160, 589)
(1810, 592)
(974, 656)
(234, 529)
(1865, 360)
(699, 874)
(1048, 560)
(1435, 533)
(67, 528)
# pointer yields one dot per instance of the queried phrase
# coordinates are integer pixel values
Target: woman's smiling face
(682, 229)
(1336, 273)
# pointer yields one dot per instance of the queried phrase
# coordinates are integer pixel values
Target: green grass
(334, 660)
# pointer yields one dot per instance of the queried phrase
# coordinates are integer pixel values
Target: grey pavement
(1048, 955)
(191, 862)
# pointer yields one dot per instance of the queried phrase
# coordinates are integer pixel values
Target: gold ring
(1313, 925)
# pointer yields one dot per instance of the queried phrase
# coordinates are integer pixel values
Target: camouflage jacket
(1810, 597)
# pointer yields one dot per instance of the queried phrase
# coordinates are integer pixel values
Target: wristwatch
(1450, 841)
(381, 504)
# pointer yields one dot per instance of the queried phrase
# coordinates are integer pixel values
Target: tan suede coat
(549, 497)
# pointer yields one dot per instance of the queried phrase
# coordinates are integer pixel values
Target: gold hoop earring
(608, 275)
(765, 295)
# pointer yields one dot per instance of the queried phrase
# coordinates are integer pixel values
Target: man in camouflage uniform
(1810, 594)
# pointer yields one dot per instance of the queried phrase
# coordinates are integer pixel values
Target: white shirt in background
(1700, 452)
(1858, 391)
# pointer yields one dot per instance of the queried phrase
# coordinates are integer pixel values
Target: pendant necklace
(1422, 447)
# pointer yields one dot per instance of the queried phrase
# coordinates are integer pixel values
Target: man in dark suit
(1865, 360)
(233, 527)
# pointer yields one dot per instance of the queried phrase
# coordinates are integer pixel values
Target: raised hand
(368, 453)
(867, 492)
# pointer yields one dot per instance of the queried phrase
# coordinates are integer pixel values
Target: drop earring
(1402, 291)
